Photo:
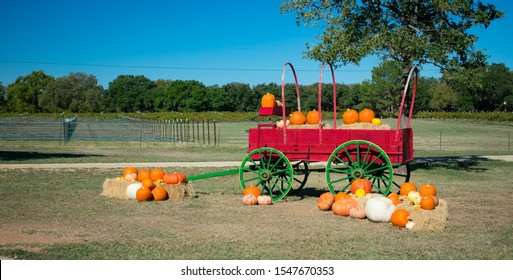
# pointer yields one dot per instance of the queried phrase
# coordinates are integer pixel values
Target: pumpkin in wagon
(366, 115)
(350, 116)
(268, 100)
(297, 118)
(313, 117)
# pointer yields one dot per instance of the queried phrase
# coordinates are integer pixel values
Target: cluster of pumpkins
(313, 117)
(145, 183)
(252, 196)
(380, 208)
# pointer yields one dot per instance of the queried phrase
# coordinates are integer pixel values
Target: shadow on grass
(20, 156)
(464, 163)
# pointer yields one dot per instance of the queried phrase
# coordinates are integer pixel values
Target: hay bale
(368, 126)
(307, 126)
(115, 188)
(435, 219)
(179, 192)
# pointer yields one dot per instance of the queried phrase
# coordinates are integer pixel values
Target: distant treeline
(487, 89)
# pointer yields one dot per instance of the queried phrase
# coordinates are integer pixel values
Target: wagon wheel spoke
(369, 162)
(268, 169)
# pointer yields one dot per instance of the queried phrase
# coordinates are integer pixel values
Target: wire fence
(122, 129)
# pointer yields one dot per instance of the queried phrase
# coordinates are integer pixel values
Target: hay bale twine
(435, 219)
(115, 188)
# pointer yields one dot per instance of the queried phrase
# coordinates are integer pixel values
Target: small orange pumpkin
(313, 117)
(159, 193)
(148, 183)
(435, 199)
(171, 179)
(360, 183)
(181, 177)
(143, 174)
(395, 198)
(366, 115)
(268, 100)
(249, 199)
(406, 188)
(297, 118)
(325, 201)
(427, 202)
(129, 170)
(350, 116)
(143, 194)
(342, 207)
(427, 189)
(252, 190)
(400, 218)
(156, 174)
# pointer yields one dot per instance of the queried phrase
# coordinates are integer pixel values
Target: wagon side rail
(319, 98)
(298, 97)
(413, 74)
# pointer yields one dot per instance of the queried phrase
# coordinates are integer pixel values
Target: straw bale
(115, 188)
(308, 126)
(435, 219)
(179, 192)
(368, 126)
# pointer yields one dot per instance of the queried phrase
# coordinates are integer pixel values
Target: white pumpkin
(414, 196)
(131, 190)
(279, 124)
(379, 209)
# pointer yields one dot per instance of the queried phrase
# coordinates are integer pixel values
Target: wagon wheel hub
(358, 173)
(265, 175)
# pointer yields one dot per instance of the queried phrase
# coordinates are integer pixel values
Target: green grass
(59, 214)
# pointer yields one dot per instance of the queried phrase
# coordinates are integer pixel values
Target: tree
(384, 92)
(77, 93)
(409, 32)
(129, 93)
(22, 95)
(3, 101)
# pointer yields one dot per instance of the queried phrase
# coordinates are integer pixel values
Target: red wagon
(280, 159)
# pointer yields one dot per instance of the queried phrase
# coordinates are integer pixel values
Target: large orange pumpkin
(159, 193)
(143, 174)
(268, 100)
(313, 117)
(344, 206)
(407, 187)
(350, 116)
(427, 189)
(325, 201)
(297, 118)
(400, 218)
(129, 170)
(252, 190)
(143, 194)
(366, 115)
(341, 196)
(360, 183)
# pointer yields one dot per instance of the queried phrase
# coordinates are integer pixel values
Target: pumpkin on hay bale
(117, 188)
(435, 219)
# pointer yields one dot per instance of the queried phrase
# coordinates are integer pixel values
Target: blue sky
(214, 42)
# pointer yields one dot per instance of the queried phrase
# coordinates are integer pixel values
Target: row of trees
(79, 92)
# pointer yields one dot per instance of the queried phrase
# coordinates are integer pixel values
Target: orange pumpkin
(156, 174)
(313, 117)
(250, 199)
(171, 179)
(344, 206)
(268, 100)
(181, 177)
(400, 218)
(366, 115)
(297, 118)
(435, 199)
(129, 170)
(143, 174)
(350, 116)
(159, 193)
(325, 201)
(252, 190)
(406, 188)
(342, 196)
(427, 202)
(148, 183)
(427, 189)
(143, 194)
(360, 183)
(395, 198)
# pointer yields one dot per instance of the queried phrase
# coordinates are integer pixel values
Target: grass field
(59, 214)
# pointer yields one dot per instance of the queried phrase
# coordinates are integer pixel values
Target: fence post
(215, 140)
(440, 139)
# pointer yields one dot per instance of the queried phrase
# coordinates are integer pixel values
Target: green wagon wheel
(359, 159)
(401, 174)
(300, 177)
(269, 170)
